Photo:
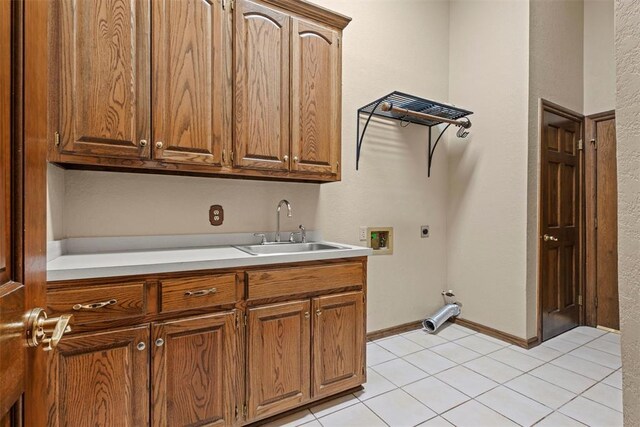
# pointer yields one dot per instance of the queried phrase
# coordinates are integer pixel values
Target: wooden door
(102, 379)
(602, 222)
(195, 371)
(189, 80)
(104, 79)
(261, 114)
(560, 219)
(315, 98)
(338, 343)
(12, 295)
(278, 356)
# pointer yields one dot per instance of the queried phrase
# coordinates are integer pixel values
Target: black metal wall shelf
(412, 109)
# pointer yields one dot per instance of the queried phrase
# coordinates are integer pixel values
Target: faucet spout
(288, 205)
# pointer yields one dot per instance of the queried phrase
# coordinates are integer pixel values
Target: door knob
(44, 330)
(548, 237)
(159, 145)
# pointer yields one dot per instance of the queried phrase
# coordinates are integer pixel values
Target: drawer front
(197, 292)
(99, 303)
(299, 280)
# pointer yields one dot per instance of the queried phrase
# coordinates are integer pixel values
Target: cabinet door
(261, 87)
(195, 371)
(315, 95)
(104, 77)
(102, 379)
(278, 357)
(189, 80)
(338, 343)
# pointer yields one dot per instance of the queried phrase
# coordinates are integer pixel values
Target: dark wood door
(195, 371)
(262, 82)
(279, 357)
(606, 224)
(189, 80)
(315, 98)
(12, 295)
(338, 343)
(102, 379)
(104, 79)
(560, 258)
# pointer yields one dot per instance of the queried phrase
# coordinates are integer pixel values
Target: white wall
(391, 188)
(627, 43)
(486, 215)
(55, 202)
(599, 61)
(556, 70)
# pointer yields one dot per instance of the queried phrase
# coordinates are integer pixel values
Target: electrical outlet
(424, 231)
(363, 234)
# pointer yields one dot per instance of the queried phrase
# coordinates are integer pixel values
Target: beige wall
(627, 42)
(391, 188)
(556, 68)
(486, 215)
(55, 202)
(599, 61)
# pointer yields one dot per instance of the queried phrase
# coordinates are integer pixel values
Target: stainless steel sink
(287, 248)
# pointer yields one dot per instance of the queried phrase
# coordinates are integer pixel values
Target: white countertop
(89, 259)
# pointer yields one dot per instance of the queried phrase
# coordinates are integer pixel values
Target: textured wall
(627, 42)
(599, 61)
(556, 74)
(486, 216)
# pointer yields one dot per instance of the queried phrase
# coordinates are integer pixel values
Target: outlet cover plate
(363, 234)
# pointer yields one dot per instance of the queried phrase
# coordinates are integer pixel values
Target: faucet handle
(262, 236)
(303, 233)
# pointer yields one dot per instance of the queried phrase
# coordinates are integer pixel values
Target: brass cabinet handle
(159, 342)
(141, 346)
(44, 330)
(143, 143)
(201, 292)
(159, 145)
(306, 315)
(548, 237)
(94, 305)
(318, 312)
(285, 158)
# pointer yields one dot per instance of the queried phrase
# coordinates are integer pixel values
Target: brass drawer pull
(200, 293)
(94, 305)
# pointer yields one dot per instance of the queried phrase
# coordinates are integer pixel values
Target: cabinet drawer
(299, 280)
(196, 292)
(99, 303)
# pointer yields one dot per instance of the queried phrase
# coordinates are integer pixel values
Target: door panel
(104, 77)
(315, 94)
(338, 343)
(195, 371)
(102, 379)
(262, 87)
(560, 223)
(607, 229)
(278, 357)
(189, 79)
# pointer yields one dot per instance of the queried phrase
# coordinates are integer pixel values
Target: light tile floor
(463, 378)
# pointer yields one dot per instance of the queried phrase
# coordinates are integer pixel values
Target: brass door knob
(143, 143)
(159, 145)
(295, 159)
(548, 237)
(141, 346)
(285, 158)
(44, 330)
(159, 342)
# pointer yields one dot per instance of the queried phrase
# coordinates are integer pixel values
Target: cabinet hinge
(244, 410)
(237, 321)
(363, 370)
(580, 145)
(224, 157)
(56, 138)
(245, 320)
(231, 156)
(595, 223)
(579, 299)
(338, 41)
(594, 143)
(236, 412)
(596, 301)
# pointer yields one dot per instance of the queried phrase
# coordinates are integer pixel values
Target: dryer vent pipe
(433, 322)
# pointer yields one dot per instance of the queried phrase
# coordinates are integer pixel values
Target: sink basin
(287, 248)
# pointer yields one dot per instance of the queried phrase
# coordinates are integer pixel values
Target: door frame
(591, 121)
(545, 105)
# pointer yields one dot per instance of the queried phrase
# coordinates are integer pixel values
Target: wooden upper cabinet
(101, 379)
(338, 343)
(261, 116)
(315, 98)
(196, 371)
(278, 353)
(104, 78)
(189, 81)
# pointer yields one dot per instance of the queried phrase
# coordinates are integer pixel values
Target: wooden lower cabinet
(196, 371)
(102, 379)
(339, 343)
(278, 358)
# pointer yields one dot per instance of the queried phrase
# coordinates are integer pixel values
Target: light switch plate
(363, 234)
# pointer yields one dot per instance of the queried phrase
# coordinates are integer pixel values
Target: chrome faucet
(288, 205)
